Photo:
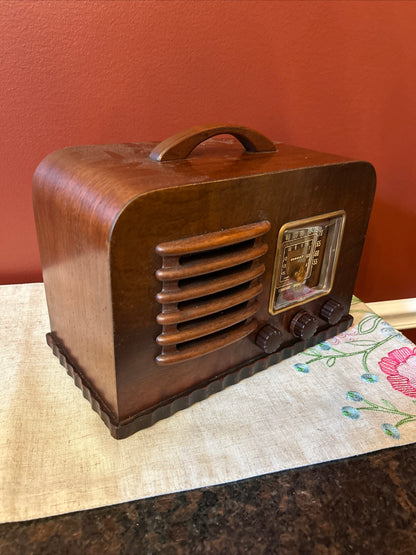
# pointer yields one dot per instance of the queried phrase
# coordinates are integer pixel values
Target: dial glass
(306, 258)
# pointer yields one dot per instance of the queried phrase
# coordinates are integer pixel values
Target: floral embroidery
(354, 396)
(350, 412)
(349, 335)
(369, 378)
(391, 431)
(337, 348)
(387, 329)
(362, 342)
(385, 407)
(304, 368)
(400, 367)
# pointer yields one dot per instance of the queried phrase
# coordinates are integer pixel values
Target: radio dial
(269, 339)
(303, 325)
(332, 311)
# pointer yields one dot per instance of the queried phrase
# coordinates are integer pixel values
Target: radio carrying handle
(180, 145)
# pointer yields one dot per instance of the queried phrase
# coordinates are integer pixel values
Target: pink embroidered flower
(344, 337)
(400, 367)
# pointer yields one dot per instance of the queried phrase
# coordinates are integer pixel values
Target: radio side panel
(140, 271)
(73, 224)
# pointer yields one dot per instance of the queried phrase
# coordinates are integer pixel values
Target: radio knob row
(303, 326)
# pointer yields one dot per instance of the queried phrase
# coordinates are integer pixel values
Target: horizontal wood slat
(212, 264)
(207, 307)
(214, 240)
(192, 291)
(195, 331)
(208, 346)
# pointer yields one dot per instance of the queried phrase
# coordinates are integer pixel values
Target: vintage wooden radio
(171, 275)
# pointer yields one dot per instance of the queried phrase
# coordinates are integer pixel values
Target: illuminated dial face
(306, 257)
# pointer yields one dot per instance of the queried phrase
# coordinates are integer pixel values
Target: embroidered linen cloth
(352, 394)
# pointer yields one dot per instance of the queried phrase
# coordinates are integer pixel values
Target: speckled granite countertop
(365, 504)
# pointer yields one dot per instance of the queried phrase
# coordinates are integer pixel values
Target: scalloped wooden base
(144, 419)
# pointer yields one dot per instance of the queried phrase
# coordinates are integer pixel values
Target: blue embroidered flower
(350, 412)
(304, 368)
(387, 329)
(391, 431)
(324, 346)
(369, 378)
(354, 396)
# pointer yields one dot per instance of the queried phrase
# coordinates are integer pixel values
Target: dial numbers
(306, 256)
(296, 258)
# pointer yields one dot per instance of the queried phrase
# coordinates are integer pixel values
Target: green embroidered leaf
(370, 404)
(368, 324)
(409, 418)
(388, 404)
(314, 352)
(331, 361)
(363, 342)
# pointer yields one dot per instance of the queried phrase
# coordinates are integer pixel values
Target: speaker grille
(210, 284)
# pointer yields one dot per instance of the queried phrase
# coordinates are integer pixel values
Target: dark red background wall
(333, 76)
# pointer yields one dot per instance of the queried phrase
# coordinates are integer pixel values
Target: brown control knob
(303, 325)
(332, 311)
(269, 339)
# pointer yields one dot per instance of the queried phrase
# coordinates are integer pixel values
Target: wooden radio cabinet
(171, 274)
